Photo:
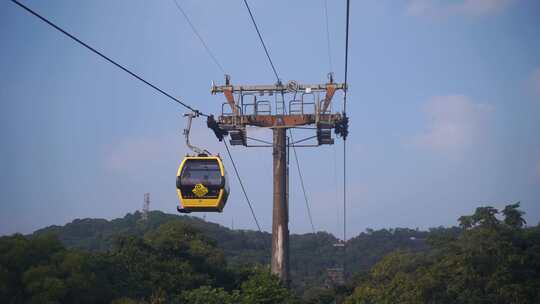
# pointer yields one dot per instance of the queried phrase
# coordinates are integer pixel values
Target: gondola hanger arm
(187, 130)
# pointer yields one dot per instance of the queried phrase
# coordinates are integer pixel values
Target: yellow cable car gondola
(202, 184)
(201, 181)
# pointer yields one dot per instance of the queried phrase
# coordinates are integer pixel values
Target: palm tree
(513, 217)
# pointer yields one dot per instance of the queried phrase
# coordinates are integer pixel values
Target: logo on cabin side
(200, 190)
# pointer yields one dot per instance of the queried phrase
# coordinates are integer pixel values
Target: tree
(485, 216)
(125, 300)
(465, 221)
(491, 262)
(264, 288)
(513, 217)
(209, 295)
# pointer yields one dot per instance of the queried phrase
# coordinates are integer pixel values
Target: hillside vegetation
(172, 264)
(487, 261)
(181, 259)
(311, 254)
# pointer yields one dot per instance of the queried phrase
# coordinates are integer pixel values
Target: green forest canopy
(180, 259)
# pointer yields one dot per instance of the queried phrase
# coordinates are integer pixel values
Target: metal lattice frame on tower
(146, 207)
(279, 107)
(266, 106)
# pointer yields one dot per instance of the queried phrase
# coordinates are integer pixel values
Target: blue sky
(444, 103)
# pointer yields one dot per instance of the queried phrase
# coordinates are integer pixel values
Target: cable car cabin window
(206, 172)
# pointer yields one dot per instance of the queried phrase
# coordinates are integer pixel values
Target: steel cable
(107, 58)
(242, 186)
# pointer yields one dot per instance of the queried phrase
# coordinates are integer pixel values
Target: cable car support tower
(252, 105)
(279, 107)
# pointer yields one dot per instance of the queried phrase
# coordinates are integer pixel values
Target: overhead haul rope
(328, 36)
(345, 139)
(290, 132)
(330, 67)
(214, 59)
(300, 176)
(107, 58)
(242, 185)
(262, 41)
(199, 36)
(50, 23)
(302, 185)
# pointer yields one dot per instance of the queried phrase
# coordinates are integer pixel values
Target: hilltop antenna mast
(336, 275)
(146, 207)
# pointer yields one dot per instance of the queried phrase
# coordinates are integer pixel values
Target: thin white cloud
(132, 154)
(442, 9)
(535, 81)
(483, 7)
(419, 7)
(455, 123)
